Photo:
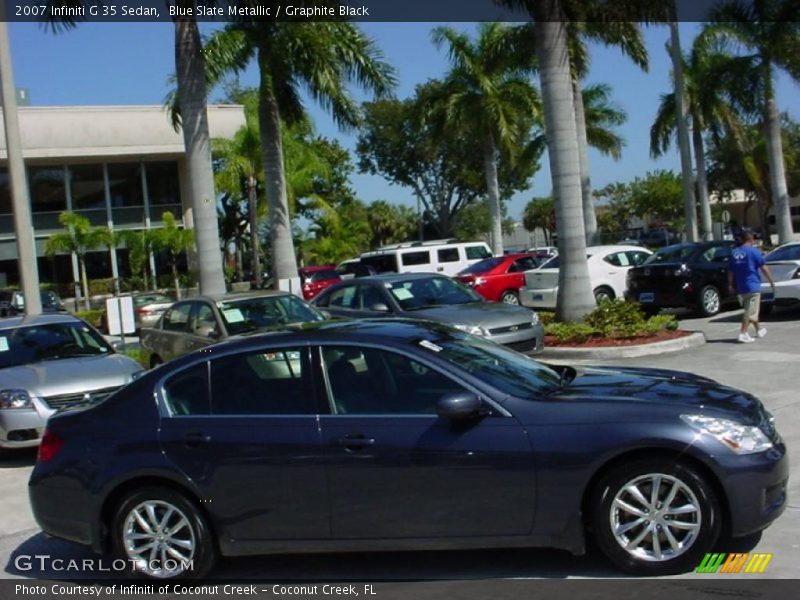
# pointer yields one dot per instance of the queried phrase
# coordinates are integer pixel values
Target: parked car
(435, 298)
(316, 278)
(784, 265)
(396, 434)
(147, 309)
(608, 266)
(447, 257)
(204, 320)
(51, 362)
(499, 279)
(691, 276)
(348, 269)
(544, 251)
(12, 302)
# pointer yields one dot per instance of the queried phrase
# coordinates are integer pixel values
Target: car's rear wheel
(160, 534)
(603, 293)
(709, 302)
(510, 297)
(655, 517)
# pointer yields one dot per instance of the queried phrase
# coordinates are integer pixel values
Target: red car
(317, 278)
(499, 278)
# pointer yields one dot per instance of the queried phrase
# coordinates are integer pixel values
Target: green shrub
(546, 317)
(570, 332)
(611, 319)
(133, 283)
(98, 287)
(90, 316)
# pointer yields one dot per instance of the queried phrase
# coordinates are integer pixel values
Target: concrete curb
(689, 341)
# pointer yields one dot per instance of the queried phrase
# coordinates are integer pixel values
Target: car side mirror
(459, 405)
(379, 307)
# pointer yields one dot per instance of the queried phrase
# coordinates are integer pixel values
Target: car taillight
(144, 311)
(50, 446)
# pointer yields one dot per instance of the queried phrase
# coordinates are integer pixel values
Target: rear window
(411, 259)
(482, 266)
(382, 263)
(477, 252)
(324, 276)
(670, 254)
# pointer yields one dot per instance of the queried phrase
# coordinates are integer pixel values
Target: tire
(709, 301)
(616, 529)
(510, 297)
(155, 361)
(190, 535)
(603, 293)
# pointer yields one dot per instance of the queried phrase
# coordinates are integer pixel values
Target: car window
(177, 319)
(447, 255)
(204, 319)
(410, 259)
(324, 276)
(482, 266)
(637, 258)
(266, 382)
(716, 254)
(369, 296)
(344, 297)
(419, 292)
(52, 341)
(526, 263)
(186, 392)
(382, 263)
(670, 254)
(477, 252)
(264, 312)
(368, 381)
(618, 259)
(784, 253)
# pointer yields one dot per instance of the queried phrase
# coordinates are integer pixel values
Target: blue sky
(119, 63)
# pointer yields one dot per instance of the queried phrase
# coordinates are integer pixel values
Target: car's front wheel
(709, 304)
(162, 535)
(655, 517)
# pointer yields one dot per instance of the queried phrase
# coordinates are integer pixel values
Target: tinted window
(477, 252)
(482, 266)
(418, 293)
(415, 258)
(177, 319)
(637, 258)
(268, 382)
(671, 254)
(785, 253)
(716, 254)
(187, 392)
(383, 263)
(204, 320)
(324, 276)
(618, 259)
(48, 193)
(447, 255)
(263, 312)
(344, 297)
(35, 343)
(369, 296)
(367, 381)
(523, 264)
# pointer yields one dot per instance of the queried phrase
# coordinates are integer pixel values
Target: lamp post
(23, 224)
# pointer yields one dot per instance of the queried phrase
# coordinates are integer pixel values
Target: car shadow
(450, 565)
(15, 459)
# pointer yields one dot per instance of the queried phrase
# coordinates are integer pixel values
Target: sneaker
(744, 338)
(761, 332)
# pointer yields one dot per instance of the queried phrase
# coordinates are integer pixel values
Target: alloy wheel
(158, 539)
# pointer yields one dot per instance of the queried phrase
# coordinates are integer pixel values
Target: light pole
(23, 224)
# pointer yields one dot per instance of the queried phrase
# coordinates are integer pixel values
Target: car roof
(43, 319)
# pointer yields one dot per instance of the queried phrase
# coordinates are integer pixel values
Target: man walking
(745, 263)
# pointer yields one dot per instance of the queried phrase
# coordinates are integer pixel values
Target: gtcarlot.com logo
(44, 562)
(743, 562)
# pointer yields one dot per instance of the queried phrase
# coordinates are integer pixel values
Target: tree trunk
(589, 216)
(702, 183)
(575, 298)
(252, 208)
(176, 280)
(284, 262)
(689, 212)
(239, 261)
(84, 283)
(777, 172)
(493, 193)
(192, 99)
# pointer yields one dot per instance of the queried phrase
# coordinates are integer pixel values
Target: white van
(435, 256)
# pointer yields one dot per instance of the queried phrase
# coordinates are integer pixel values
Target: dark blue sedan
(402, 434)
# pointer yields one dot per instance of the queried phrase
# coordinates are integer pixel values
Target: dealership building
(119, 166)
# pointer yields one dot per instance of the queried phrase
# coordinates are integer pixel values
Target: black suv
(683, 276)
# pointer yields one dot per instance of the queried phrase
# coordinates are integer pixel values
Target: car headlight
(14, 399)
(535, 318)
(473, 329)
(742, 439)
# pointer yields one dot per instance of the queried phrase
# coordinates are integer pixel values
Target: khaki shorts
(750, 303)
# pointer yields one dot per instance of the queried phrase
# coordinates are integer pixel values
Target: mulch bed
(609, 342)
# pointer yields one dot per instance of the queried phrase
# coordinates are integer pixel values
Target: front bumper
(539, 297)
(21, 427)
(523, 340)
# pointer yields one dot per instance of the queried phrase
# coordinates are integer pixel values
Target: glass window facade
(162, 183)
(48, 193)
(87, 186)
(125, 184)
(5, 192)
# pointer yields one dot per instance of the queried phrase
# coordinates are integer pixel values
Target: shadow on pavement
(15, 459)
(329, 567)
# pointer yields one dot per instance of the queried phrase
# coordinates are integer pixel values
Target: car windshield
(418, 293)
(511, 372)
(785, 253)
(671, 254)
(36, 343)
(251, 314)
(482, 266)
(151, 299)
(50, 300)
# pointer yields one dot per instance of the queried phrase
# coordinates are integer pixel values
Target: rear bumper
(681, 298)
(539, 297)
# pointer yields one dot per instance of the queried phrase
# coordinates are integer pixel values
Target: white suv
(447, 257)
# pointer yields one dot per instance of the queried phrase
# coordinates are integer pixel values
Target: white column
(110, 222)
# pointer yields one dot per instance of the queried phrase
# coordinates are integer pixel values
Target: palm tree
(628, 36)
(173, 240)
(321, 56)
(769, 32)
(79, 238)
(710, 109)
(487, 91)
(140, 245)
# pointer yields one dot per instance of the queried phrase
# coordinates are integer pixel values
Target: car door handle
(355, 441)
(195, 438)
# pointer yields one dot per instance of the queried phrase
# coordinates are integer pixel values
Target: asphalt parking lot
(765, 368)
